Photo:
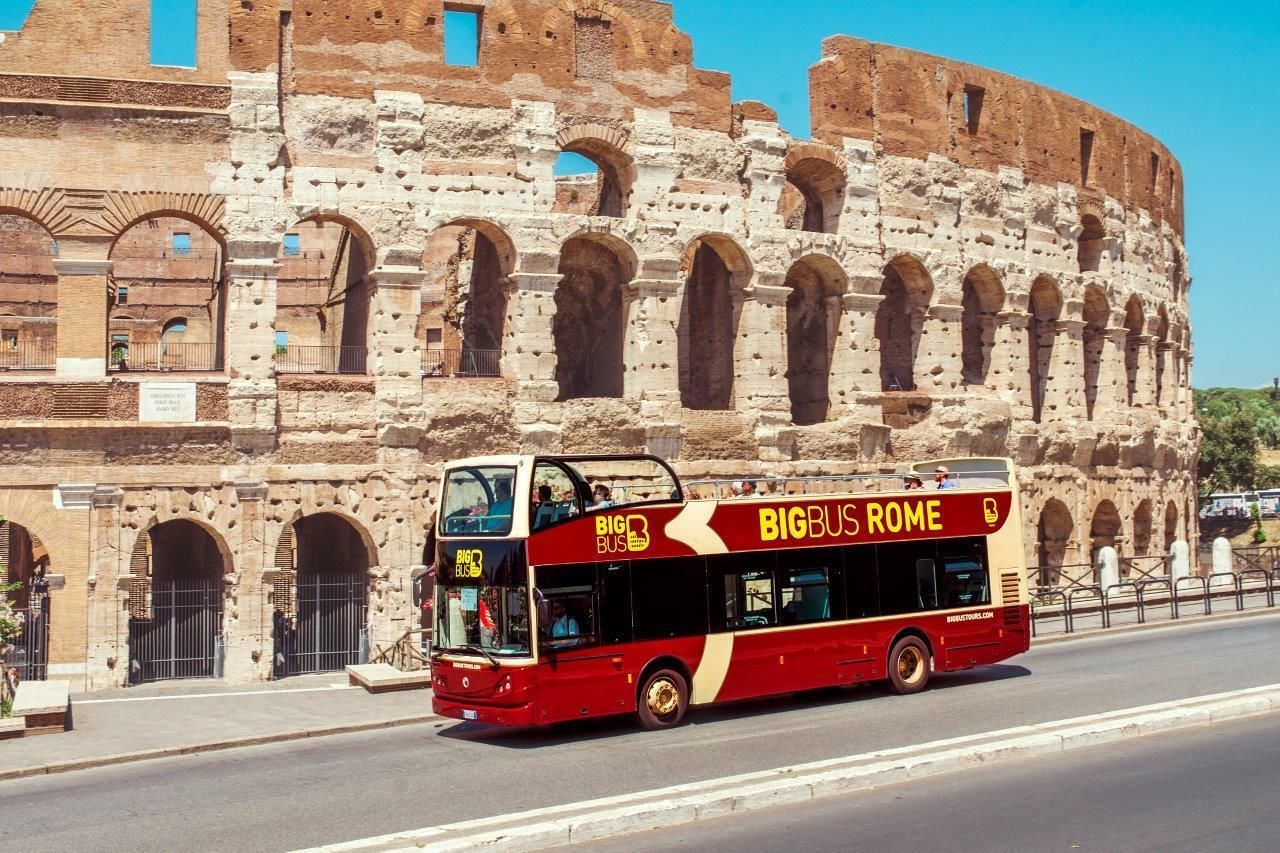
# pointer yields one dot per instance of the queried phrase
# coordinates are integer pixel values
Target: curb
(1054, 639)
(593, 820)
(211, 746)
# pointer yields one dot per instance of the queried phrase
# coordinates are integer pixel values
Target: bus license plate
(469, 715)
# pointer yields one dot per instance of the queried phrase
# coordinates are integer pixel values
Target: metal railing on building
(297, 359)
(28, 355)
(165, 356)
(465, 363)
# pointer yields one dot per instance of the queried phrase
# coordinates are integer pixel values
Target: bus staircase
(1070, 598)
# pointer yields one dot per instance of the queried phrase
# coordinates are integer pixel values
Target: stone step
(384, 678)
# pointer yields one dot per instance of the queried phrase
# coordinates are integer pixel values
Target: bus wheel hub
(663, 697)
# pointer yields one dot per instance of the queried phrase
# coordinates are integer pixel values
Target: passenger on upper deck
(942, 476)
(601, 497)
(502, 506)
(748, 489)
(912, 483)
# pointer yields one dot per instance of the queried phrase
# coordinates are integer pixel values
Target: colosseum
(249, 307)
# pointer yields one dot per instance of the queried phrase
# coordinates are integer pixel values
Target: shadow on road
(625, 725)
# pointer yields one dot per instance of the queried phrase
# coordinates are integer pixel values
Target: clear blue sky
(1203, 77)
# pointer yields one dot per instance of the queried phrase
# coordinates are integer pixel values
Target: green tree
(1259, 535)
(1229, 454)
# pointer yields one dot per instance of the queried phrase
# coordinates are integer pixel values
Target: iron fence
(329, 631)
(294, 359)
(29, 654)
(28, 355)
(469, 363)
(162, 356)
(182, 638)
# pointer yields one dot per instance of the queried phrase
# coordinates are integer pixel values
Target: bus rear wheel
(909, 665)
(664, 698)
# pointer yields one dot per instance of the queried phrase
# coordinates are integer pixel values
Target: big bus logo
(618, 534)
(469, 564)
(990, 511)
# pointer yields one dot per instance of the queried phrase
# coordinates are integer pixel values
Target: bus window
(906, 574)
(804, 595)
(862, 593)
(570, 595)
(615, 602)
(964, 574)
(669, 598)
(554, 496)
(478, 502)
(926, 583)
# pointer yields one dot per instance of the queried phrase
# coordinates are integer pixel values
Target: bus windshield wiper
(479, 650)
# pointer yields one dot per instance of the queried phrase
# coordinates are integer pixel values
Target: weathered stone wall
(917, 283)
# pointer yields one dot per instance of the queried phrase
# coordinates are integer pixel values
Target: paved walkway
(194, 716)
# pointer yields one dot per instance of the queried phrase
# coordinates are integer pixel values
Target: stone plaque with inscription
(167, 402)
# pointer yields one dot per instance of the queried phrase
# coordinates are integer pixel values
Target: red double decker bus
(573, 587)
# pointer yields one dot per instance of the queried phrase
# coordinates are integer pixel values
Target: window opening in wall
(435, 337)
(973, 96)
(593, 48)
(181, 244)
(1155, 173)
(53, 247)
(461, 37)
(173, 33)
(122, 296)
(292, 245)
(10, 339)
(282, 341)
(588, 185)
(1086, 154)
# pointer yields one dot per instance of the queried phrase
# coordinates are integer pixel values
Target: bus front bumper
(472, 712)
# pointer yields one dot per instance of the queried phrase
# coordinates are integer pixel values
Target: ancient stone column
(1009, 373)
(82, 314)
(1167, 366)
(1181, 554)
(395, 353)
(251, 344)
(1113, 377)
(652, 344)
(529, 350)
(760, 353)
(855, 362)
(108, 664)
(1108, 566)
(1144, 392)
(938, 359)
(247, 642)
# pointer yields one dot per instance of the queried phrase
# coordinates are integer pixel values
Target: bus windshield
(488, 619)
(478, 501)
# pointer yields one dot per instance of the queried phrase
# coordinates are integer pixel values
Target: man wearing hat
(942, 478)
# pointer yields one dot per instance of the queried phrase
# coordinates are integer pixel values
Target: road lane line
(665, 807)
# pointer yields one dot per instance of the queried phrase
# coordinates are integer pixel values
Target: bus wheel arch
(662, 693)
(908, 664)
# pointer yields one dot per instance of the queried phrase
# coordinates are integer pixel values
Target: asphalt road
(1210, 789)
(341, 788)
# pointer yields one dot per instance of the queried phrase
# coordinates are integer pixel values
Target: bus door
(745, 602)
(964, 582)
(583, 636)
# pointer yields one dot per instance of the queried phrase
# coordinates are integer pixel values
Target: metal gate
(30, 653)
(329, 633)
(182, 638)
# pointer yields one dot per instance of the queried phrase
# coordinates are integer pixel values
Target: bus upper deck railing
(844, 484)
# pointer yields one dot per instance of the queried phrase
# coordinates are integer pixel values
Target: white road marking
(327, 688)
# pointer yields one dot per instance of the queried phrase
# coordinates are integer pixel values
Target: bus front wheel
(664, 698)
(909, 665)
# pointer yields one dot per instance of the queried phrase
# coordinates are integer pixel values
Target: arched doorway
(1142, 529)
(24, 561)
(175, 603)
(1171, 534)
(1096, 315)
(1133, 324)
(1042, 335)
(1162, 357)
(1089, 250)
(164, 269)
(1053, 541)
(1105, 529)
(320, 619)
(28, 295)
(813, 324)
(983, 297)
(590, 323)
(907, 290)
(715, 270)
(813, 196)
(464, 300)
(593, 175)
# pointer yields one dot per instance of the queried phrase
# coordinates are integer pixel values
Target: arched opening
(813, 325)
(1105, 529)
(590, 322)
(323, 298)
(24, 561)
(1042, 334)
(1053, 541)
(175, 603)
(164, 267)
(320, 619)
(813, 196)
(464, 300)
(715, 271)
(1171, 533)
(1142, 529)
(907, 290)
(1096, 315)
(1162, 356)
(1133, 324)
(983, 298)
(1089, 249)
(593, 178)
(28, 295)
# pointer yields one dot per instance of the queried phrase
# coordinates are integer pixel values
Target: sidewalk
(196, 716)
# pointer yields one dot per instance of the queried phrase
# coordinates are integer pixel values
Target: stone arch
(1090, 243)
(813, 197)
(1045, 308)
(28, 292)
(1162, 355)
(606, 147)
(1096, 313)
(1142, 529)
(590, 322)
(716, 270)
(983, 298)
(126, 211)
(566, 11)
(1054, 531)
(358, 546)
(464, 297)
(324, 302)
(46, 207)
(1106, 528)
(23, 556)
(907, 289)
(1135, 327)
(172, 541)
(1171, 521)
(813, 327)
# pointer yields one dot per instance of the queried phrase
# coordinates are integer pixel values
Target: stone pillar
(1166, 365)
(395, 353)
(1009, 373)
(1064, 397)
(1181, 554)
(82, 315)
(1222, 561)
(1113, 378)
(1144, 393)
(247, 641)
(652, 353)
(108, 660)
(760, 353)
(529, 350)
(938, 364)
(1108, 566)
(855, 362)
(69, 636)
(251, 345)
